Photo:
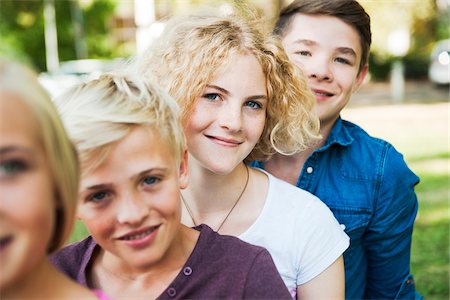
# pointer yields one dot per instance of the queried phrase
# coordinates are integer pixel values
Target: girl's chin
(222, 169)
(218, 166)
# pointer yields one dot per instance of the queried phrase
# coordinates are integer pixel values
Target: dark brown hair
(349, 11)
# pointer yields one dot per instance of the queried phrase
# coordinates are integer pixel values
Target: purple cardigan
(220, 267)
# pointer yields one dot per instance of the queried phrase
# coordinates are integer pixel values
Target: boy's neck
(325, 129)
(120, 279)
(288, 167)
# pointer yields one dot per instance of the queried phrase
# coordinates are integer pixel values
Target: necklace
(234, 205)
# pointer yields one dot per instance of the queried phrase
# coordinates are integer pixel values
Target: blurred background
(405, 100)
(71, 39)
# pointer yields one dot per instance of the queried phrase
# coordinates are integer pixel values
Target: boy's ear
(77, 213)
(184, 176)
(360, 78)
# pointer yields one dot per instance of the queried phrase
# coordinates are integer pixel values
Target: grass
(430, 248)
(421, 133)
(79, 232)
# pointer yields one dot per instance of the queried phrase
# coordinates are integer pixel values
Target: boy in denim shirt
(364, 180)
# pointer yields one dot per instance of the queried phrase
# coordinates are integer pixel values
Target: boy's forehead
(141, 146)
(323, 30)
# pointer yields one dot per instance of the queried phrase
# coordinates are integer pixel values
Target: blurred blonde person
(242, 100)
(38, 190)
(134, 163)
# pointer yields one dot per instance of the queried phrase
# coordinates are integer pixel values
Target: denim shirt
(370, 189)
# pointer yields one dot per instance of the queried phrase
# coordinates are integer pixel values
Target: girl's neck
(45, 282)
(211, 192)
(228, 203)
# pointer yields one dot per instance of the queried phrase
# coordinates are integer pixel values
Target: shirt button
(187, 271)
(172, 292)
(343, 226)
(309, 170)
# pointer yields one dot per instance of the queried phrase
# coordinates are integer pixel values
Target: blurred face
(130, 203)
(228, 117)
(26, 193)
(329, 52)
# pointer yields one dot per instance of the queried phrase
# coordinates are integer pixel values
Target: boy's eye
(150, 180)
(211, 96)
(343, 61)
(253, 104)
(12, 167)
(98, 197)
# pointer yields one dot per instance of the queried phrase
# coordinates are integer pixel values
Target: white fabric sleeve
(323, 240)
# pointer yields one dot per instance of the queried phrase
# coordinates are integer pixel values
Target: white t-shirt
(299, 231)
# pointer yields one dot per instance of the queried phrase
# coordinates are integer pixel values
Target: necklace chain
(234, 205)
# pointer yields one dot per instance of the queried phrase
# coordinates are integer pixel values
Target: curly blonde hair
(101, 112)
(193, 48)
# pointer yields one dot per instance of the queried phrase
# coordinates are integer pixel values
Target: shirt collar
(339, 135)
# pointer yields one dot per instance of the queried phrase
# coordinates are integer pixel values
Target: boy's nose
(132, 210)
(320, 71)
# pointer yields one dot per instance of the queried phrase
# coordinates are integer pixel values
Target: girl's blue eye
(253, 104)
(12, 167)
(211, 96)
(303, 53)
(150, 180)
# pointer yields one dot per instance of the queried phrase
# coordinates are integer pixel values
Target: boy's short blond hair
(102, 112)
(59, 151)
(192, 49)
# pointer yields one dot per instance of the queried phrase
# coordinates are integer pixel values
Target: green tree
(22, 30)
(422, 19)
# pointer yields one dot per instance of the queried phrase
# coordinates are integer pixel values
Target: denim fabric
(370, 189)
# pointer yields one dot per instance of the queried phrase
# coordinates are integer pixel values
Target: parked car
(76, 71)
(439, 69)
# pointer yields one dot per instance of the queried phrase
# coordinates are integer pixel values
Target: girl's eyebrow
(12, 149)
(257, 97)
(226, 92)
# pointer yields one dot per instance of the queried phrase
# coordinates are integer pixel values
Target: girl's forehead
(18, 121)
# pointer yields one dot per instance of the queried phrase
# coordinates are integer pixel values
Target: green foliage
(79, 232)
(426, 26)
(22, 30)
(66, 49)
(97, 20)
(379, 68)
(416, 66)
(443, 25)
(430, 248)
